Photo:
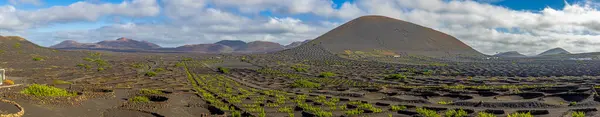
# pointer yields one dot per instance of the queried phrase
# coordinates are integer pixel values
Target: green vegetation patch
(528, 114)
(484, 114)
(456, 113)
(139, 99)
(578, 114)
(305, 84)
(427, 113)
(61, 82)
(151, 74)
(327, 74)
(46, 91)
(223, 70)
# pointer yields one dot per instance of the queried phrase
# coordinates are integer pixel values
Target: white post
(2, 71)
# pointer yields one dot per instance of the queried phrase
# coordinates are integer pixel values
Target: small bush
(60, 82)
(298, 68)
(150, 74)
(37, 59)
(140, 99)
(150, 91)
(396, 76)
(427, 113)
(455, 113)
(484, 114)
(8, 82)
(285, 110)
(397, 108)
(223, 70)
(528, 114)
(445, 102)
(305, 84)
(159, 70)
(578, 114)
(327, 74)
(572, 103)
(101, 69)
(46, 91)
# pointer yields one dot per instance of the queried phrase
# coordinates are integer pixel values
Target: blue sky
(490, 26)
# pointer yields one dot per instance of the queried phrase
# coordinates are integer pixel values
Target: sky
(489, 26)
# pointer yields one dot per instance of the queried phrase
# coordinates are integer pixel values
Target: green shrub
(299, 68)
(396, 76)
(285, 110)
(38, 59)
(159, 70)
(397, 108)
(578, 114)
(323, 114)
(445, 102)
(17, 45)
(150, 74)
(235, 113)
(100, 68)
(572, 103)
(455, 113)
(223, 70)
(179, 64)
(61, 82)
(528, 114)
(46, 91)
(427, 113)
(140, 99)
(305, 84)
(484, 114)
(150, 91)
(327, 74)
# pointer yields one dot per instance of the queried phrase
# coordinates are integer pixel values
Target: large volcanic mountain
(383, 33)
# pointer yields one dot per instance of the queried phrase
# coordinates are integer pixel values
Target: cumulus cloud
(13, 19)
(32, 2)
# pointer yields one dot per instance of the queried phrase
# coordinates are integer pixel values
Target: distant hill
(368, 33)
(261, 46)
(296, 44)
(130, 45)
(510, 54)
(235, 44)
(120, 43)
(554, 51)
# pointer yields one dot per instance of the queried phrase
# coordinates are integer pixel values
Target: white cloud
(32, 2)
(13, 19)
